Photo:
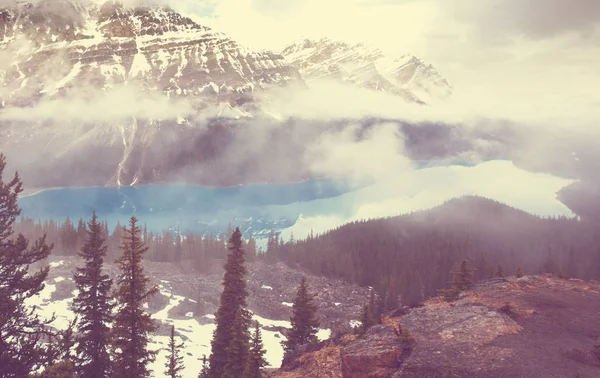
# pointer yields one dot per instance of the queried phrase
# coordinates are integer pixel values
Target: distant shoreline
(31, 192)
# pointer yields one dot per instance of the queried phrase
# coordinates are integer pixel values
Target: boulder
(378, 354)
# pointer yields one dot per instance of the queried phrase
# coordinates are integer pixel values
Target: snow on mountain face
(59, 45)
(406, 76)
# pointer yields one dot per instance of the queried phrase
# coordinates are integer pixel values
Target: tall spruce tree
(21, 330)
(205, 370)
(256, 356)
(233, 298)
(462, 280)
(239, 346)
(93, 305)
(174, 363)
(132, 325)
(304, 321)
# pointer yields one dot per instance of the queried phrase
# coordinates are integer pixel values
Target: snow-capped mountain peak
(367, 66)
(63, 44)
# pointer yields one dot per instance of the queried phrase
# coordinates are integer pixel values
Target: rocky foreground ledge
(534, 326)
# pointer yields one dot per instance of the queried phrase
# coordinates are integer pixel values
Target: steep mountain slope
(365, 66)
(62, 45)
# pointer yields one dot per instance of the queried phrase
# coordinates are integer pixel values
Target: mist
(129, 134)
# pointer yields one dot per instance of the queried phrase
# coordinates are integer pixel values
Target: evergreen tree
(304, 321)
(233, 299)
(132, 325)
(367, 319)
(205, 370)
(571, 264)
(256, 359)
(178, 249)
(63, 369)
(93, 306)
(519, 272)
(174, 364)
(21, 330)
(374, 308)
(499, 271)
(238, 349)
(462, 280)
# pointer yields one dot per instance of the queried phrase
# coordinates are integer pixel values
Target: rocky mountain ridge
(62, 45)
(145, 95)
(534, 326)
(368, 67)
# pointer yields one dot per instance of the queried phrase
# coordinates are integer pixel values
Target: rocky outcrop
(325, 362)
(377, 354)
(535, 326)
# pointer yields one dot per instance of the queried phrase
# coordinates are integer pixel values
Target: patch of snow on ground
(56, 264)
(287, 304)
(355, 323)
(196, 337)
(323, 334)
(47, 308)
(59, 279)
(266, 287)
(337, 304)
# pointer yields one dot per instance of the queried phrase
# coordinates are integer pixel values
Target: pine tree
(239, 346)
(233, 298)
(175, 361)
(256, 359)
(93, 305)
(304, 321)
(205, 370)
(63, 369)
(367, 319)
(132, 325)
(499, 271)
(21, 330)
(519, 272)
(462, 280)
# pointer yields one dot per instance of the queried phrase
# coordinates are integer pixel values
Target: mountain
(95, 95)
(112, 95)
(534, 326)
(365, 66)
(63, 45)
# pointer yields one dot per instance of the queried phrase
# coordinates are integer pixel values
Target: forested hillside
(413, 255)
(408, 257)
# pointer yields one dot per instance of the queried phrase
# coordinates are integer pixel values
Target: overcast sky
(544, 52)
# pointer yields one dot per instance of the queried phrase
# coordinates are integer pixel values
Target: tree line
(409, 258)
(111, 332)
(166, 246)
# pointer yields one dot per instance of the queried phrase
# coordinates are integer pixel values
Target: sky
(544, 52)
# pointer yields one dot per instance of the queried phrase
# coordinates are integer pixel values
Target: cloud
(374, 155)
(118, 103)
(251, 22)
(538, 19)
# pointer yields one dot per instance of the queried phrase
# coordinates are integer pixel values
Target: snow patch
(56, 264)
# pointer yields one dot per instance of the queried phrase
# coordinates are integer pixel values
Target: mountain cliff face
(534, 326)
(406, 76)
(62, 45)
